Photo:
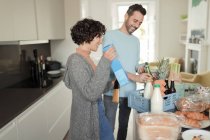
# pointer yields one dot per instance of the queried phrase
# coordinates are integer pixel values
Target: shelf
(183, 38)
(202, 56)
(184, 20)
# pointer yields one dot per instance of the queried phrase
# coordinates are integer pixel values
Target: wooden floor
(65, 138)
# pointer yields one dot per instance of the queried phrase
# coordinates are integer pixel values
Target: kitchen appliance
(29, 83)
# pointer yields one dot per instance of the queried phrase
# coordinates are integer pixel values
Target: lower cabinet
(61, 127)
(32, 124)
(9, 132)
(47, 119)
(58, 103)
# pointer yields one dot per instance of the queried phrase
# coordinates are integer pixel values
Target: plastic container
(156, 100)
(164, 126)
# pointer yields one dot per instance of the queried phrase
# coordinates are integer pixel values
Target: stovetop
(29, 83)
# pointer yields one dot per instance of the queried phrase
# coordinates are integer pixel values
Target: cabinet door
(24, 20)
(61, 126)
(50, 19)
(9, 132)
(6, 23)
(32, 124)
(58, 102)
(18, 20)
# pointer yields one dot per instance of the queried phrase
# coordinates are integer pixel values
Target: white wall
(170, 27)
(208, 37)
(60, 50)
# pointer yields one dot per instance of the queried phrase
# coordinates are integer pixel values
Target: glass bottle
(43, 72)
(36, 67)
(156, 100)
(167, 91)
(172, 87)
(147, 68)
(148, 90)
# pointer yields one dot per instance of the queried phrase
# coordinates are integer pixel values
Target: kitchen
(62, 45)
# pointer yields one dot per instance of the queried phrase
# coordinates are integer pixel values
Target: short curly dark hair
(85, 30)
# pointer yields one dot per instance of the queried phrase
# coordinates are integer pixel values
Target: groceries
(152, 126)
(156, 100)
(192, 109)
(148, 90)
(192, 119)
(141, 104)
(195, 102)
(117, 69)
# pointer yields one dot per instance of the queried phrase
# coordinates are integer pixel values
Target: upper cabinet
(31, 20)
(24, 20)
(6, 24)
(50, 19)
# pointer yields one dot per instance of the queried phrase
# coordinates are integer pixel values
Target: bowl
(151, 126)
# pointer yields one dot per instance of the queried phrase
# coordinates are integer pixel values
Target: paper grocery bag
(115, 97)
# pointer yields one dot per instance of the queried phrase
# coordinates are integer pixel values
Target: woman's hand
(110, 54)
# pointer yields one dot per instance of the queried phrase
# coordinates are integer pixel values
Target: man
(127, 47)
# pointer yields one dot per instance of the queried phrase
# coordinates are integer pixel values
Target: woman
(88, 82)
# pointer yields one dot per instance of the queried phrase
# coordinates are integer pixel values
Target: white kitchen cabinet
(24, 20)
(58, 102)
(50, 19)
(32, 123)
(60, 127)
(6, 17)
(46, 119)
(9, 132)
(31, 20)
(17, 20)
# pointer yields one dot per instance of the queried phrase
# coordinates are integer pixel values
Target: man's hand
(144, 77)
(141, 78)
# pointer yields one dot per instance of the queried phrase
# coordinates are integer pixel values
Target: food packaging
(117, 68)
(163, 126)
(194, 103)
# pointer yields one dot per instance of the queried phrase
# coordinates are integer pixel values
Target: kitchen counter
(13, 101)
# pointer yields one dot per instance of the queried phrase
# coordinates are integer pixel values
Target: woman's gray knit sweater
(87, 87)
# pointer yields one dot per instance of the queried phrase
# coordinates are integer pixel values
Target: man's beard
(130, 29)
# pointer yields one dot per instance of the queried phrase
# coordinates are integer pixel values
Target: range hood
(25, 42)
